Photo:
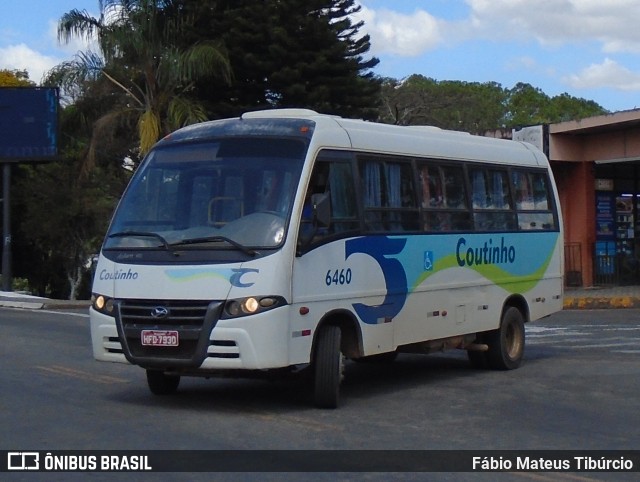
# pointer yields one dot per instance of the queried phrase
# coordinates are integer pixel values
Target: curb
(44, 304)
(28, 305)
(66, 305)
(600, 303)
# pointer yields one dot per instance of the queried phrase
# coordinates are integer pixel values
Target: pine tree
(318, 58)
(290, 53)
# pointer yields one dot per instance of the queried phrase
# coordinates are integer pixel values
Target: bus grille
(193, 320)
(181, 312)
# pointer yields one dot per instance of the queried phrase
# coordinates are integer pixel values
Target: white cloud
(613, 24)
(22, 57)
(607, 74)
(400, 34)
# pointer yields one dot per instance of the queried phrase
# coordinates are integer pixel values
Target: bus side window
(524, 194)
(490, 200)
(532, 201)
(443, 204)
(454, 187)
(431, 187)
(389, 196)
(335, 179)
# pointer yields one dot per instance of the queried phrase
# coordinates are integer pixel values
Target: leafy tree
(15, 78)
(64, 218)
(243, 27)
(318, 58)
(475, 107)
(528, 105)
(63, 213)
(290, 53)
(455, 105)
(565, 107)
(143, 58)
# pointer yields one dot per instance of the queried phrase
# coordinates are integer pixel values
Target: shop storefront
(617, 210)
(596, 163)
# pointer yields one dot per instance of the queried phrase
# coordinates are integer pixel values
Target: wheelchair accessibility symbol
(428, 260)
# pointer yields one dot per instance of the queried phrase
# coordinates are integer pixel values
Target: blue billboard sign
(28, 124)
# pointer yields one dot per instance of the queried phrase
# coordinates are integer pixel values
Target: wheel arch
(351, 342)
(519, 302)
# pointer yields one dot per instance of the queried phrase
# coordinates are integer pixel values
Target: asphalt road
(578, 388)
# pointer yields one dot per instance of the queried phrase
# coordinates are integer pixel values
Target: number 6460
(338, 277)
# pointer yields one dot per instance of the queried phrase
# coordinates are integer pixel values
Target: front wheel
(328, 367)
(506, 344)
(162, 384)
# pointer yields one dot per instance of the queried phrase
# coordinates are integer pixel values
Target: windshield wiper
(209, 239)
(124, 234)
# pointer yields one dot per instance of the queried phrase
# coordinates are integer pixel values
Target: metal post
(6, 228)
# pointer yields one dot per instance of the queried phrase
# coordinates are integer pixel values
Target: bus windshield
(232, 193)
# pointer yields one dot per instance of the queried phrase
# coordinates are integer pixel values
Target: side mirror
(321, 209)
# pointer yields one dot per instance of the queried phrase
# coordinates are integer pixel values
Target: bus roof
(423, 141)
(334, 132)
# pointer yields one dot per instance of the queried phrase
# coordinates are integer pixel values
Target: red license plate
(159, 337)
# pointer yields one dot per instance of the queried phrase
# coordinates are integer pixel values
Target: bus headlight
(102, 304)
(251, 305)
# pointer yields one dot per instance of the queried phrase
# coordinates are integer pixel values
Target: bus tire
(506, 344)
(162, 384)
(328, 367)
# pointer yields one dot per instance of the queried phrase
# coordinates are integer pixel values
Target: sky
(586, 48)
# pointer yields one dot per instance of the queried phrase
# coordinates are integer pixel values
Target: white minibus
(286, 240)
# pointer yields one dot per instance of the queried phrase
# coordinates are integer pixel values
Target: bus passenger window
(335, 179)
(454, 188)
(523, 192)
(431, 187)
(389, 196)
(532, 201)
(490, 189)
(540, 191)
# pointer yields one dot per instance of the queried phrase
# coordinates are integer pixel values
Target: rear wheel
(162, 384)
(506, 344)
(328, 367)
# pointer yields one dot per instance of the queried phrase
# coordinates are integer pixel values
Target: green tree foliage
(143, 57)
(63, 213)
(476, 107)
(527, 105)
(455, 105)
(290, 53)
(318, 59)
(15, 78)
(63, 220)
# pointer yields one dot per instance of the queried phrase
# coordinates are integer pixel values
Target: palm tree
(144, 57)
